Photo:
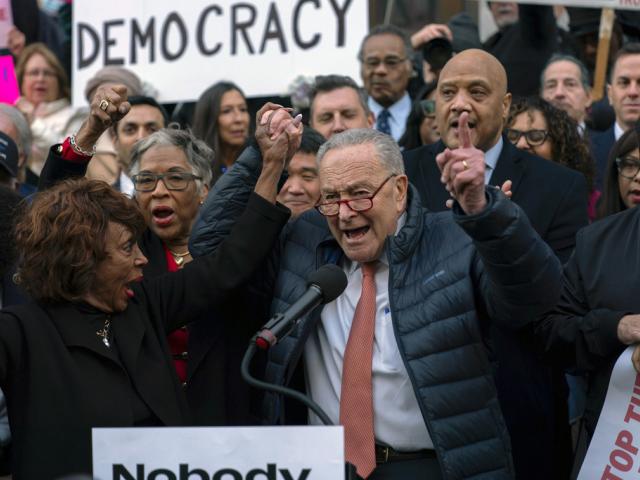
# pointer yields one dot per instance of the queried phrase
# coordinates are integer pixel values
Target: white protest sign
(616, 4)
(613, 452)
(225, 453)
(182, 48)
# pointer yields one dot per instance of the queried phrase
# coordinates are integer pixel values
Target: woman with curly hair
(90, 350)
(544, 130)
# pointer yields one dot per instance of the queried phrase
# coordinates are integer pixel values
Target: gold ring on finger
(104, 104)
(465, 164)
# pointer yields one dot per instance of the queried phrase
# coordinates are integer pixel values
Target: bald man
(531, 393)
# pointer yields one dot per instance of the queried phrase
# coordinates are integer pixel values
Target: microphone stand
(287, 392)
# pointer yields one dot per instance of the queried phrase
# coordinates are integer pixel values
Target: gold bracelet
(78, 150)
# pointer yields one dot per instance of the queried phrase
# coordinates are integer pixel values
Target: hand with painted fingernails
(278, 133)
(462, 170)
(278, 136)
(108, 106)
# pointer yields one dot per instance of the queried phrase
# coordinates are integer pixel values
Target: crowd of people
(478, 198)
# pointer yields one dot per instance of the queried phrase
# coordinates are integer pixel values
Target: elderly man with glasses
(385, 67)
(398, 359)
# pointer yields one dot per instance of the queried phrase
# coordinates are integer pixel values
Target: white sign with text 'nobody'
(224, 453)
(182, 48)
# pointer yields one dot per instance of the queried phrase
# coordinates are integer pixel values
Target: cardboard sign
(182, 48)
(240, 453)
(614, 450)
(9, 91)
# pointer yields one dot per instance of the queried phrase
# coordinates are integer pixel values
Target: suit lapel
(510, 166)
(147, 364)
(437, 194)
(77, 330)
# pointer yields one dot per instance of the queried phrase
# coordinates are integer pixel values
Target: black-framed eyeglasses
(628, 167)
(147, 182)
(389, 62)
(362, 204)
(533, 137)
(428, 107)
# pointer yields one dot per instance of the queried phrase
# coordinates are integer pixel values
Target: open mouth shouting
(162, 215)
(634, 196)
(128, 288)
(353, 235)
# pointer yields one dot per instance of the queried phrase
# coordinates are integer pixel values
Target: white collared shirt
(617, 131)
(398, 421)
(398, 114)
(491, 157)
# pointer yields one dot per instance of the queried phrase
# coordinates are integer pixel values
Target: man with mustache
(532, 395)
(623, 91)
(385, 67)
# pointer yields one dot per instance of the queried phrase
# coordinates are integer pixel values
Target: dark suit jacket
(524, 47)
(601, 144)
(553, 197)
(60, 380)
(12, 294)
(531, 393)
(215, 392)
(599, 285)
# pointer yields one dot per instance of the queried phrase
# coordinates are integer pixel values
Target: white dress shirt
(617, 131)
(398, 421)
(398, 114)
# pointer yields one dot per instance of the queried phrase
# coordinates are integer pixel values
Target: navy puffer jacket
(449, 274)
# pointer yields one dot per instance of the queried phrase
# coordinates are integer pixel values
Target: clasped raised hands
(278, 134)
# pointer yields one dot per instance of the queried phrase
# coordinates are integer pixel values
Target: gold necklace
(179, 257)
(104, 332)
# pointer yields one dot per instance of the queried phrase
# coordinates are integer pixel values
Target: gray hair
(199, 155)
(15, 116)
(387, 150)
(562, 57)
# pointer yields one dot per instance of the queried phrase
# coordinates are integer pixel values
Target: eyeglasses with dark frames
(533, 137)
(428, 107)
(362, 204)
(628, 167)
(147, 182)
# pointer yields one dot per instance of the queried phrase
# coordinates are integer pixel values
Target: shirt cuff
(67, 153)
